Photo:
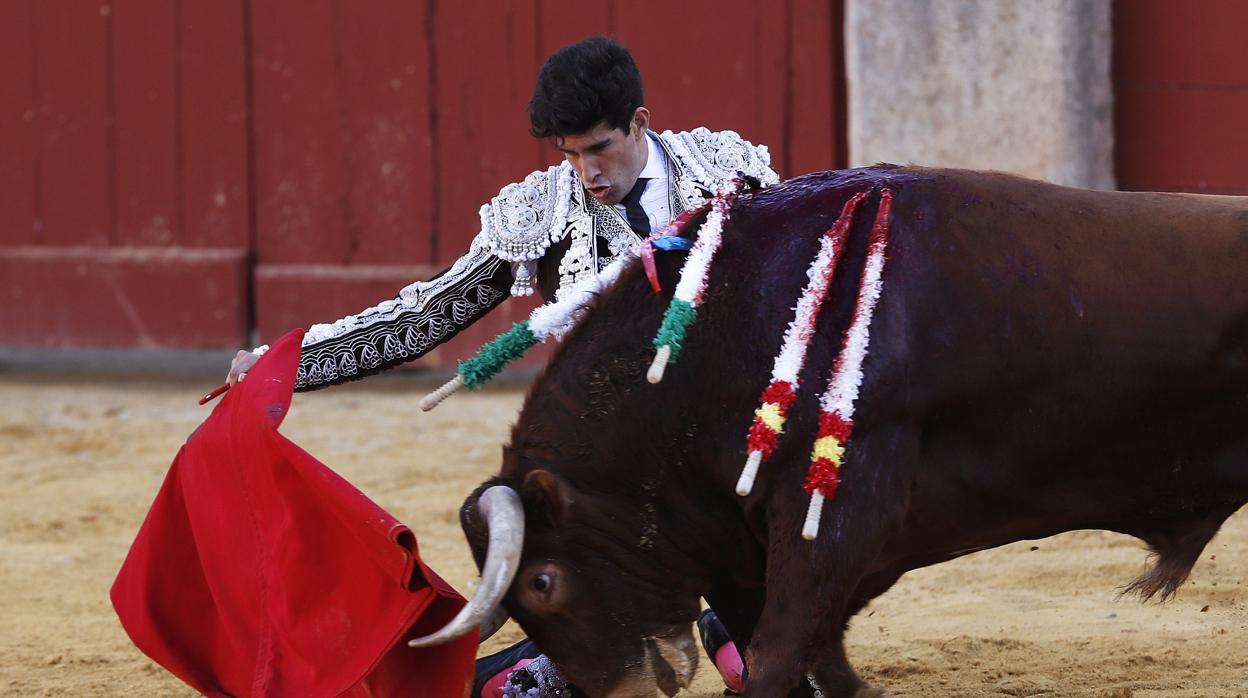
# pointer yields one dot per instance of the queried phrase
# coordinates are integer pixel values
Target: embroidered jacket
(545, 229)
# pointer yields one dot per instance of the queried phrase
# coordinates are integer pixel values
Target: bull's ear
(551, 493)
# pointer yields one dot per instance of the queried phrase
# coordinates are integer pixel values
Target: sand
(81, 459)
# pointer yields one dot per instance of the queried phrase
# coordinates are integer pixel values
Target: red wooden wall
(176, 173)
(180, 173)
(123, 167)
(1181, 89)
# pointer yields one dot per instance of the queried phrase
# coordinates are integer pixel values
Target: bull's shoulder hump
(1006, 179)
(1239, 202)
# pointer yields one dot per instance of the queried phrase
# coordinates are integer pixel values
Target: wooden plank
(765, 101)
(815, 125)
(564, 22)
(298, 151)
(784, 81)
(72, 59)
(839, 87)
(145, 118)
(705, 65)
(485, 67)
(1181, 99)
(1164, 41)
(388, 146)
(1182, 140)
(59, 296)
(19, 209)
(212, 64)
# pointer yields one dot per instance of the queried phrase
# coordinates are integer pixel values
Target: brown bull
(1042, 359)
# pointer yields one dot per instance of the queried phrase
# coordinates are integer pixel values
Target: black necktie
(637, 218)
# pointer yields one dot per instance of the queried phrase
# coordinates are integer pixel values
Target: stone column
(1020, 86)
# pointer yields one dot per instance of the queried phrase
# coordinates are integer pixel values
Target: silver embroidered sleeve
(422, 316)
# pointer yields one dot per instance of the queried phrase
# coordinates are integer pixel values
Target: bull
(1042, 359)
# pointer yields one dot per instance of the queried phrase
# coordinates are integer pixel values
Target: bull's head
(578, 575)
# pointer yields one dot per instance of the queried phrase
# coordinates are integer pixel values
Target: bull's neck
(688, 509)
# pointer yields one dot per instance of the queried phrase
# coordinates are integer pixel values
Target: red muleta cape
(260, 572)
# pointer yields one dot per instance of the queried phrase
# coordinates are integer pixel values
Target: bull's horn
(504, 516)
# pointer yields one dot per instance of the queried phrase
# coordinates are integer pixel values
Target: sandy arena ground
(81, 459)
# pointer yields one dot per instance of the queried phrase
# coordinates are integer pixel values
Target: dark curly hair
(582, 85)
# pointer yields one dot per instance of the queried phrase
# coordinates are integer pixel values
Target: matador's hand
(243, 361)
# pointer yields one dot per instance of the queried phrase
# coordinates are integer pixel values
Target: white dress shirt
(654, 199)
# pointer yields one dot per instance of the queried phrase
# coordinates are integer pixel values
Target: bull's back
(1085, 349)
(1026, 269)
(1057, 279)
(1032, 333)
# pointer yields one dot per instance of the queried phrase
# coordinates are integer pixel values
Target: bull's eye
(541, 582)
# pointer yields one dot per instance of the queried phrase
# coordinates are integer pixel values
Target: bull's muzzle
(668, 663)
(504, 517)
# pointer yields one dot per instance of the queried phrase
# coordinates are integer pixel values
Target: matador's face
(608, 160)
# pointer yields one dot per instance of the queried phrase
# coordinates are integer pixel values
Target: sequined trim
(399, 330)
(518, 226)
(697, 161)
(527, 217)
(537, 679)
(713, 156)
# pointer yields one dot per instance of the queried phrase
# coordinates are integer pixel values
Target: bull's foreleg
(739, 609)
(837, 678)
(801, 624)
(832, 668)
(814, 587)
